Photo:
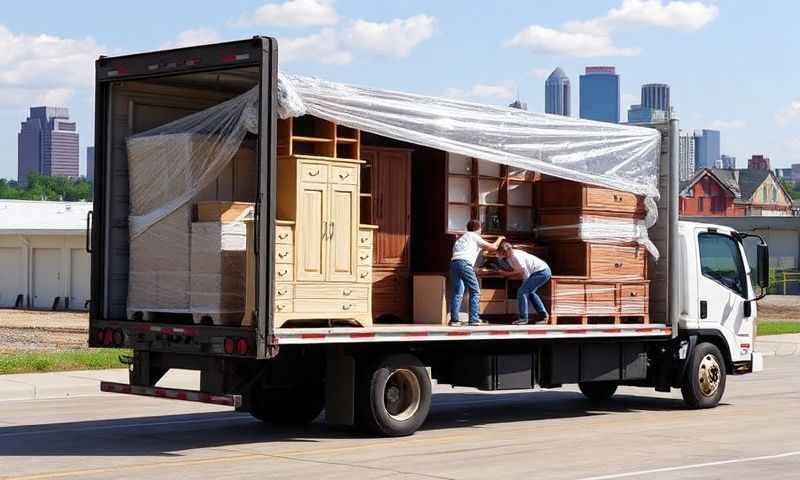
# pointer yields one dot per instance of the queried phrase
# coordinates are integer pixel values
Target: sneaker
(455, 323)
(543, 320)
(477, 323)
(520, 321)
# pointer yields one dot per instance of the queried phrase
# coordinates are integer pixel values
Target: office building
(727, 162)
(656, 96)
(639, 114)
(557, 96)
(47, 144)
(599, 94)
(90, 164)
(686, 156)
(706, 149)
(758, 162)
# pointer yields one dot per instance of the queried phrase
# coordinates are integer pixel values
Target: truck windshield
(721, 261)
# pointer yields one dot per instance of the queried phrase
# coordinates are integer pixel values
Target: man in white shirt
(462, 271)
(534, 273)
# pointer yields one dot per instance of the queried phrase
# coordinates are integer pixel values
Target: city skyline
(429, 49)
(599, 92)
(557, 93)
(48, 143)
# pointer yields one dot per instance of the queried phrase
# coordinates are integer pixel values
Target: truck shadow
(171, 435)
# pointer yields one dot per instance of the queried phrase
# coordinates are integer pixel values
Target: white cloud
(540, 73)
(196, 36)
(500, 91)
(592, 38)
(395, 38)
(728, 124)
(292, 13)
(574, 44)
(44, 69)
(789, 113)
(629, 99)
(323, 47)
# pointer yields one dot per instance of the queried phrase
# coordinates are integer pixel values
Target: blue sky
(732, 65)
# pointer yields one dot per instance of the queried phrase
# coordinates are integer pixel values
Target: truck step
(172, 393)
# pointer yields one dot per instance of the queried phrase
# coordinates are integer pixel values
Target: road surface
(542, 434)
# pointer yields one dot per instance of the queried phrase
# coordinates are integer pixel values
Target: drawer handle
(347, 292)
(364, 274)
(344, 175)
(618, 264)
(283, 273)
(313, 173)
(364, 239)
(282, 292)
(364, 256)
(283, 236)
(633, 294)
(280, 307)
(283, 254)
(347, 306)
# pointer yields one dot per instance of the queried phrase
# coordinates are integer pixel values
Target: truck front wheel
(297, 405)
(394, 395)
(704, 382)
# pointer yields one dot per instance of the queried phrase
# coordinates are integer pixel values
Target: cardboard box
(222, 211)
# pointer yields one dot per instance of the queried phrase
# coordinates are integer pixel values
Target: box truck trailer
(289, 238)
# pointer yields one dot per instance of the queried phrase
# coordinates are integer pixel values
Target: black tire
(598, 391)
(298, 405)
(704, 381)
(393, 396)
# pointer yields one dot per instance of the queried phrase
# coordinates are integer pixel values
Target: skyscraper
(599, 94)
(557, 93)
(656, 96)
(686, 156)
(758, 162)
(706, 149)
(638, 114)
(90, 164)
(47, 143)
(727, 162)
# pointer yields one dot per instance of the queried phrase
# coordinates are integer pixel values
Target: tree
(41, 187)
(794, 192)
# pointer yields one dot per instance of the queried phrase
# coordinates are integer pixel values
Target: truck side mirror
(762, 269)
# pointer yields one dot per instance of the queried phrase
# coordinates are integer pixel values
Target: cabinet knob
(283, 254)
(618, 264)
(283, 273)
(313, 173)
(281, 292)
(364, 256)
(280, 307)
(633, 294)
(347, 306)
(344, 175)
(364, 274)
(283, 235)
(346, 292)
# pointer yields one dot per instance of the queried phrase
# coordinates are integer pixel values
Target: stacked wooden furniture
(591, 280)
(386, 203)
(323, 255)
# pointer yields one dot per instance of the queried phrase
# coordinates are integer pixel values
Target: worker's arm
(492, 247)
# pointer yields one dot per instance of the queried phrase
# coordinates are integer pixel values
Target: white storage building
(43, 254)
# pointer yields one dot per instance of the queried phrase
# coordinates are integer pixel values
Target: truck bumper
(757, 362)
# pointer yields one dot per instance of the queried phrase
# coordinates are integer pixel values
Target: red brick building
(758, 162)
(734, 193)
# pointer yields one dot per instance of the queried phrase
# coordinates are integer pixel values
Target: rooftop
(30, 217)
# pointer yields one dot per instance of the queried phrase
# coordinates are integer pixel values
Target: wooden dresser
(389, 193)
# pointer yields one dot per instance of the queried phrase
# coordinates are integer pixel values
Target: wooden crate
(568, 298)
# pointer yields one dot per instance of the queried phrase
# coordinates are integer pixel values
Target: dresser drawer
(555, 195)
(284, 235)
(364, 275)
(335, 292)
(313, 172)
(284, 291)
(284, 273)
(634, 299)
(599, 261)
(283, 306)
(283, 254)
(612, 200)
(566, 298)
(365, 257)
(344, 174)
(365, 238)
(601, 299)
(331, 307)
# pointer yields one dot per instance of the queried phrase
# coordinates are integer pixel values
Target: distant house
(734, 193)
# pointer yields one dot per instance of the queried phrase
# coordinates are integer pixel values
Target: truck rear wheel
(297, 405)
(598, 391)
(394, 395)
(704, 382)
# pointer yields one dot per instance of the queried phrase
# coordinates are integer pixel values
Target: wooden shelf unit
(308, 135)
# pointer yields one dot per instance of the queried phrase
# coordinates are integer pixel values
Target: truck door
(724, 289)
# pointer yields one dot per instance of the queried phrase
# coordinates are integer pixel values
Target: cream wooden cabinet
(324, 277)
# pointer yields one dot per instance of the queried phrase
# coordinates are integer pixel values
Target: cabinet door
(343, 233)
(392, 190)
(312, 231)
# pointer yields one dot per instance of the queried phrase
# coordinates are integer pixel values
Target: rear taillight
(229, 345)
(108, 337)
(118, 337)
(99, 335)
(241, 346)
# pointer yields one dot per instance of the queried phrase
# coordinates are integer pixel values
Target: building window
(764, 195)
(700, 206)
(774, 195)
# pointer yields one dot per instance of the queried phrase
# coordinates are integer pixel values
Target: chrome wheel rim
(402, 394)
(709, 375)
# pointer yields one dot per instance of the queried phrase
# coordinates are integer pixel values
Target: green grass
(777, 328)
(27, 362)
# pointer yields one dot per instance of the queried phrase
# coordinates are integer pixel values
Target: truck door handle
(89, 218)
(703, 309)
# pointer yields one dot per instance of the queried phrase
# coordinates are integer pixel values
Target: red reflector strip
(458, 334)
(745, 345)
(537, 332)
(416, 334)
(499, 332)
(645, 330)
(312, 336)
(172, 393)
(577, 330)
(233, 58)
(362, 335)
(613, 330)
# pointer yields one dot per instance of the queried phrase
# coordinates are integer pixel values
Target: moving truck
(204, 173)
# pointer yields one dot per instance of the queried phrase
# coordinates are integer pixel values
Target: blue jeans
(462, 273)
(528, 291)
